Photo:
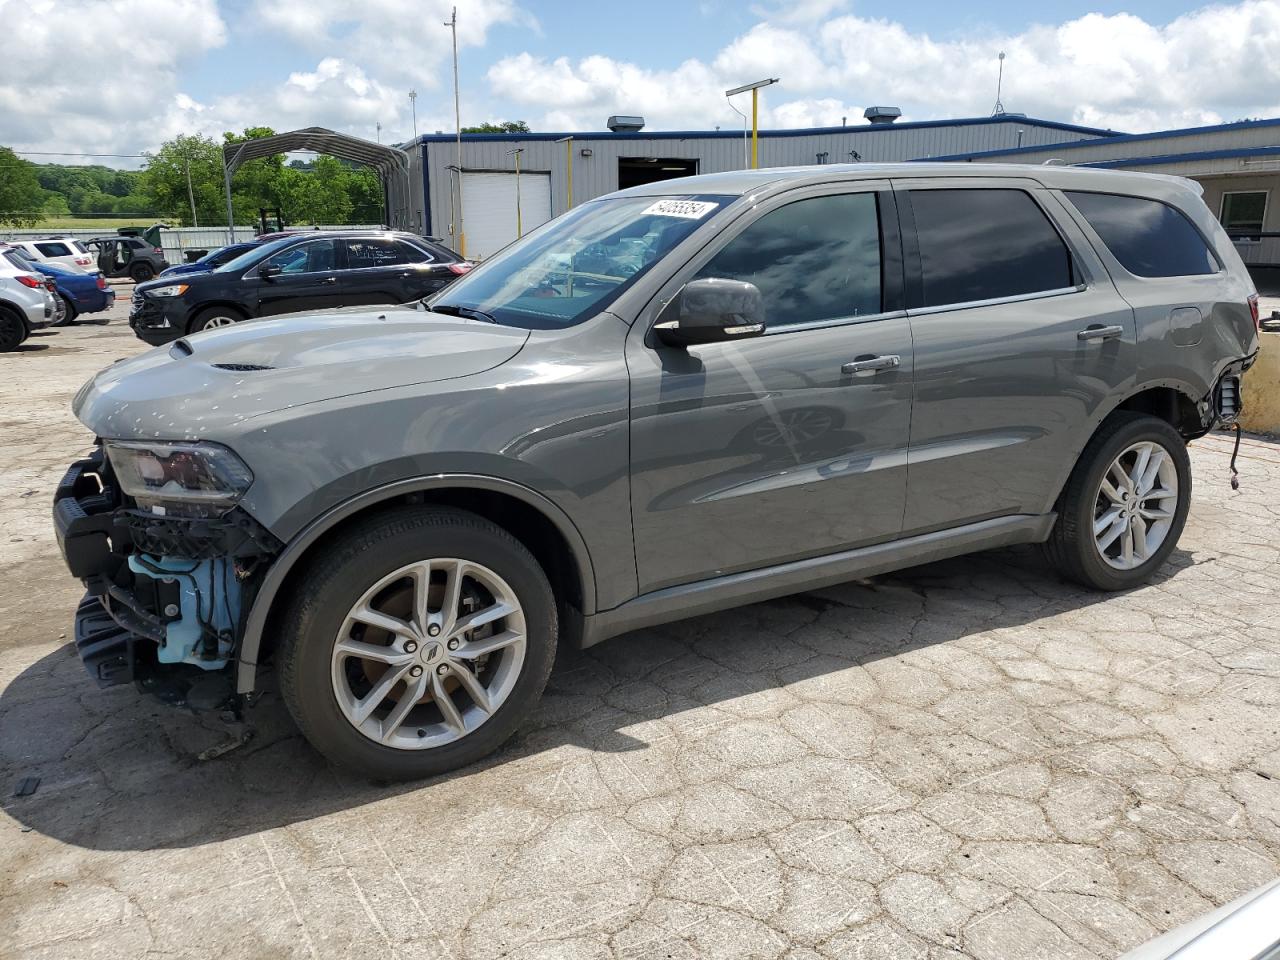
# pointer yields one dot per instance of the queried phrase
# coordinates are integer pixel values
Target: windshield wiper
(454, 310)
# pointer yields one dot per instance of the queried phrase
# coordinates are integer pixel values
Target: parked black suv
(313, 271)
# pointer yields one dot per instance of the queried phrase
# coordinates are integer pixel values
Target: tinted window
(981, 244)
(412, 254)
(54, 249)
(816, 259)
(1149, 238)
(314, 256)
(373, 252)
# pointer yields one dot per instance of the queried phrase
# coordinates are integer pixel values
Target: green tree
(21, 196)
(164, 181)
(505, 126)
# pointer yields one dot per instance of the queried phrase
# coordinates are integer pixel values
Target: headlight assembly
(189, 479)
(172, 290)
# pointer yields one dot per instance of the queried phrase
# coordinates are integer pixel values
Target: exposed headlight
(190, 479)
(172, 290)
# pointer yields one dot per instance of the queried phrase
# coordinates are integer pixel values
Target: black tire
(1071, 546)
(12, 330)
(69, 317)
(201, 321)
(141, 272)
(333, 582)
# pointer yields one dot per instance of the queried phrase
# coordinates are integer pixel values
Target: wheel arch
(204, 308)
(537, 522)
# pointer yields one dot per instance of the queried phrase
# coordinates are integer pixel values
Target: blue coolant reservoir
(209, 593)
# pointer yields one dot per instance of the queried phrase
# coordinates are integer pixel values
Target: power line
(70, 153)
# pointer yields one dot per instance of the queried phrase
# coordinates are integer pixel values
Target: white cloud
(1113, 71)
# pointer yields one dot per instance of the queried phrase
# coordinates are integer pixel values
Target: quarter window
(813, 260)
(986, 244)
(1149, 238)
(1243, 211)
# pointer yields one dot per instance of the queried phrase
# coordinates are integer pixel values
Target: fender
(255, 623)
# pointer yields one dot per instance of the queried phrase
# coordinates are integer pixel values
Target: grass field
(92, 223)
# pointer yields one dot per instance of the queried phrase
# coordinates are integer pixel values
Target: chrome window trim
(997, 301)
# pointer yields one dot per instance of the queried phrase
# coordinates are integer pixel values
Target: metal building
(558, 170)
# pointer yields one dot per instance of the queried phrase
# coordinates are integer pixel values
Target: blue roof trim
(1120, 138)
(764, 134)
(1185, 157)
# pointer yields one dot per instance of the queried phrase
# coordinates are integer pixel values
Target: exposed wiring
(1235, 450)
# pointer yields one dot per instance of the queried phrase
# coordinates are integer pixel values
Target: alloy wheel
(429, 653)
(1135, 505)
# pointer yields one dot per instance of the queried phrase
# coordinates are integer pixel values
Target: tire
(141, 272)
(12, 330)
(70, 314)
(1118, 557)
(327, 689)
(214, 317)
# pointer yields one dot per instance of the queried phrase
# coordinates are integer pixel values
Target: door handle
(871, 364)
(1099, 332)
(329, 280)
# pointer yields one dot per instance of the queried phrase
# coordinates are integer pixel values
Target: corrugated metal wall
(597, 174)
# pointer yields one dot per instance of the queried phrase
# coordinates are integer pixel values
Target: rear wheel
(417, 643)
(1125, 505)
(69, 312)
(12, 330)
(215, 317)
(142, 272)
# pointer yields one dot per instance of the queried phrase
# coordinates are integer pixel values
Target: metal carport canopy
(388, 161)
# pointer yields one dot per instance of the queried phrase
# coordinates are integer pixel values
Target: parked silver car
(669, 401)
(26, 303)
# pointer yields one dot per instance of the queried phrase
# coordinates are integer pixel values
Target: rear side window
(1149, 238)
(53, 249)
(374, 252)
(985, 244)
(813, 260)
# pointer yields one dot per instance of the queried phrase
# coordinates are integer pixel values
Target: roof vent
(882, 115)
(625, 124)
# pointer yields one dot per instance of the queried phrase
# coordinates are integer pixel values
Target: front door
(792, 445)
(1020, 338)
(308, 279)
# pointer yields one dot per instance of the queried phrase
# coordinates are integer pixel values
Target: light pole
(755, 113)
(519, 219)
(452, 24)
(413, 107)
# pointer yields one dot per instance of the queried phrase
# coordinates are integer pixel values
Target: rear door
(308, 278)
(1020, 338)
(757, 452)
(389, 270)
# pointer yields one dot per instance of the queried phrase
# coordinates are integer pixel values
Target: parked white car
(64, 251)
(25, 304)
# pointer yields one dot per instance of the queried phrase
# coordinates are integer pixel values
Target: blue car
(212, 259)
(81, 292)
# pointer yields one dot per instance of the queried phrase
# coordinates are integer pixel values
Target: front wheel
(215, 317)
(1125, 504)
(69, 313)
(417, 643)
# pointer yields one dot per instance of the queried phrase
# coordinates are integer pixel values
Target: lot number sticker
(685, 209)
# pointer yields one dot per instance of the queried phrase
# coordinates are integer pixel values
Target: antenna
(998, 110)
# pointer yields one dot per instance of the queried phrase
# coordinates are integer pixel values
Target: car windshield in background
(253, 255)
(576, 265)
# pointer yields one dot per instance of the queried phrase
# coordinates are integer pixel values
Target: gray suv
(659, 405)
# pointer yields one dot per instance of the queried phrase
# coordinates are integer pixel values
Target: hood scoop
(244, 367)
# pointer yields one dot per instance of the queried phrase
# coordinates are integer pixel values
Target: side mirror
(269, 272)
(711, 310)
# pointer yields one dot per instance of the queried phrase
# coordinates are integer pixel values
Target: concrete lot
(968, 760)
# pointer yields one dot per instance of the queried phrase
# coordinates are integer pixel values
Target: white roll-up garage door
(489, 208)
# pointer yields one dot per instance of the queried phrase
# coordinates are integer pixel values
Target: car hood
(201, 383)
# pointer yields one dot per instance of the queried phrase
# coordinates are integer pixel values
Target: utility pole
(191, 194)
(452, 24)
(519, 217)
(379, 126)
(413, 106)
(755, 112)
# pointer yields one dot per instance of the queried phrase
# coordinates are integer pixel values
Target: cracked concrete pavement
(971, 759)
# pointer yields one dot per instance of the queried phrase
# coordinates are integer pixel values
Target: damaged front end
(170, 563)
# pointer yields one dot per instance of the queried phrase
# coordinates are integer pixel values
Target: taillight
(460, 268)
(51, 286)
(1253, 311)
(83, 261)
(102, 282)
(27, 280)
(158, 252)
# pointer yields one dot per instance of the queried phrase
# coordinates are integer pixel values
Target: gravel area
(971, 759)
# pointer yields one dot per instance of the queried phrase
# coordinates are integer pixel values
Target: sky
(122, 76)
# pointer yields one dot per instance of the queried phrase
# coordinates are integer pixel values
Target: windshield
(253, 255)
(576, 265)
